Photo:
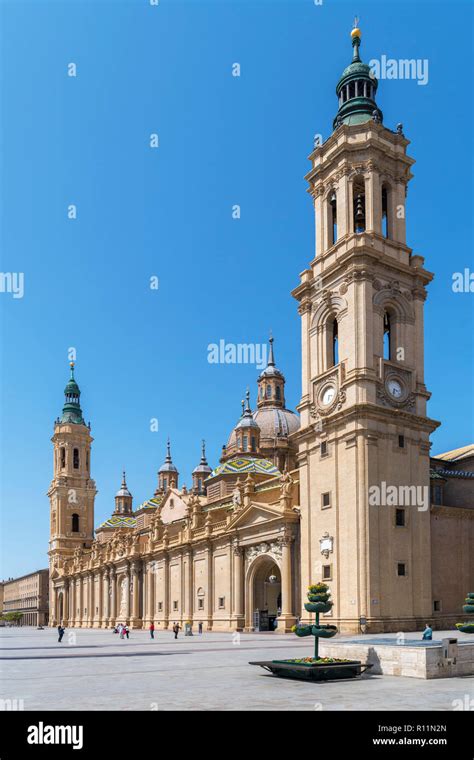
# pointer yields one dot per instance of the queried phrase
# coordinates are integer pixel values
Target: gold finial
(355, 30)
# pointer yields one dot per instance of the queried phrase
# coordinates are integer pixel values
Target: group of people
(122, 630)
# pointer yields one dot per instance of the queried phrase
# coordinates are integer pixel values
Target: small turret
(168, 473)
(201, 472)
(123, 499)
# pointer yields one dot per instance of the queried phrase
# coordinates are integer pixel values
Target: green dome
(72, 411)
(356, 91)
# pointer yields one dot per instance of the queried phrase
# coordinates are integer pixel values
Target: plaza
(96, 670)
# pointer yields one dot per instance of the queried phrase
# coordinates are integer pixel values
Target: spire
(356, 89)
(201, 472)
(72, 411)
(167, 473)
(203, 452)
(123, 498)
(271, 359)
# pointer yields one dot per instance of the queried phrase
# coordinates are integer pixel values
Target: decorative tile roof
(456, 454)
(243, 465)
(119, 521)
(152, 503)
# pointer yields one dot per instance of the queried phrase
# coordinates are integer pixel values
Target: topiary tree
(318, 601)
(468, 608)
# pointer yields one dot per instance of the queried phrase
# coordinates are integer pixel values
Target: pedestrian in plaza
(427, 633)
(121, 630)
(60, 633)
(152, 630)
(200, 628)
(176, 629)
(127, 631)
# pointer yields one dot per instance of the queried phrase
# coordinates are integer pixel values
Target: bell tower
(364, 437)
(72, 491)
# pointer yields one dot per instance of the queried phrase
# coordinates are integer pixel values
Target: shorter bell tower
(72, 490)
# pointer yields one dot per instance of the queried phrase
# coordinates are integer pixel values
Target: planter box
(313, 672)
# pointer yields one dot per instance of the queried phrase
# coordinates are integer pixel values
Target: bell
(359, 214)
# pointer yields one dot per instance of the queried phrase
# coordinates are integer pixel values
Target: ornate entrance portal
(264, 594)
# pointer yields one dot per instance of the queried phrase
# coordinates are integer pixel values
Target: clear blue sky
(167, 212)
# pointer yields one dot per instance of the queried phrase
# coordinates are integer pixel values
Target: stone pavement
(95, 670)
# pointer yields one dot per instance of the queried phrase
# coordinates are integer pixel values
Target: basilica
(289, 503)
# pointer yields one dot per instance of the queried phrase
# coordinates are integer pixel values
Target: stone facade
(344, 493)
(28, 595)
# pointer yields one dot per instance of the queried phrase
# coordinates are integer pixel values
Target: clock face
(328, 395)
(394, 388)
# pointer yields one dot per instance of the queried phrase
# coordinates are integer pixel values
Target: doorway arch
(263, 594)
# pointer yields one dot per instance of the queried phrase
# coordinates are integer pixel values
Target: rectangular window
(326, 500)
(175, 606)
(401, 569)
(323, 448)
(327, 572)
(436, 606)
(160, 606)
(200, 604)
(221, 602)
(400, 518)
(401, 441)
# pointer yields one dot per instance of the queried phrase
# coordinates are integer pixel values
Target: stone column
(100, 600)
(150, 579)
(166, 595)
(136, 594)
(210, 590)
(128, 588)
(81, 601)
(239, 613)
(67, 603)
(287, 618)
(91, 601)
(113, 596)
(105, 612)
(189, 586)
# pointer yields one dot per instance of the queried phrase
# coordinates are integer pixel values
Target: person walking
(176, 629)
(60, 633)
(427, 633)
(121, 630)
(152, 630)
(127, 631)
(200, 629)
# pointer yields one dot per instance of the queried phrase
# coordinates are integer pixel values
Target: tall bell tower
(72, 490)
(364, 437)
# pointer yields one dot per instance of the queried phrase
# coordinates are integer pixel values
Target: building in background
(29, 595)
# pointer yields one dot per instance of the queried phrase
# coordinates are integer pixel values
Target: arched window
(359, 207)
(87, 462)
(387, 337)
(75, 459)
(333, 218)
(254, 444)
(245, 443)
(384, 211)
(351, 90)
(199, 485)
(63, 457)
(335, 344)
(262, 392)
(75, 523)
(278, 392)
(165, 484)
(269, 391)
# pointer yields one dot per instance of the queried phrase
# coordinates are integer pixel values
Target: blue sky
(167, 212)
